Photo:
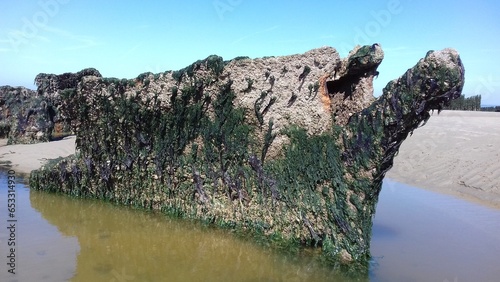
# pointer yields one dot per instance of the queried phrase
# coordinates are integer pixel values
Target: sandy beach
(455, 153)
(25, 158)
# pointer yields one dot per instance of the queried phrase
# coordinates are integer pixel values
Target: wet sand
(455, 153)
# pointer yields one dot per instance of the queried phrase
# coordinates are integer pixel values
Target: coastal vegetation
(462, 103)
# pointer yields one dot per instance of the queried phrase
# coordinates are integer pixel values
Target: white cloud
(78, 41)
(254, 34)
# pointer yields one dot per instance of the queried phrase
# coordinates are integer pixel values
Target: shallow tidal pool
(59, 238)
(417, 236)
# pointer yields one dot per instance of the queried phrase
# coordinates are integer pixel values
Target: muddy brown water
(60, 238)
(418, 236)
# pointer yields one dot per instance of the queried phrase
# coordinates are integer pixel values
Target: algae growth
(213, 142)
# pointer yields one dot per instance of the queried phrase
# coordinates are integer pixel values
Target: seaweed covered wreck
(292, 149)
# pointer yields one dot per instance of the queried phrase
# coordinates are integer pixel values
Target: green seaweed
(304, 73)
(191, 153)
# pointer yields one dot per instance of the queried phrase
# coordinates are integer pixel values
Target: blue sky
(125, 38)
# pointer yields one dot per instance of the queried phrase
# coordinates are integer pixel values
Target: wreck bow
(290, 149)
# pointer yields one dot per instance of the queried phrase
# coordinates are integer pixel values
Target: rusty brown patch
(325, 97)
